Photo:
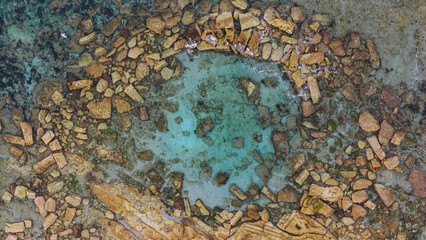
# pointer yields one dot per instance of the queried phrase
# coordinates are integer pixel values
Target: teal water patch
(210, 88)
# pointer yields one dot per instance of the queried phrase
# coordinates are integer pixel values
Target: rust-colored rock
(312, 58)
(368, 123)
(95, 69)
(387, 196)
(418, 182)
(100, 110)
(389, 97)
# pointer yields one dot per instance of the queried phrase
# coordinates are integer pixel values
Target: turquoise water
(209, 87)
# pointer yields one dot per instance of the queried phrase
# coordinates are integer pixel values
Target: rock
(143, 114)
(348, 91)
(347, 221)
(374, 56)
(391, 162)
(205, 173)
(297, 161)
(147, 155)
(204, 127)
(73, 199)
(390, 98)
(354, 40)
(238, 142)
(299, 224)
(135, 52)
(303, 175)
(298, 14)
(95, 69)
(111, 26)
(283, 25)
(398, 137)
(162, 123)
(155, 24)
(368, 123)
(49, 220)
(345, 203)
(188, 17)
(361, 184)
(314, 89)
(288, 195)
(224, 20)
(298, 78)
(263, 173)
(418, 182)
(220, 179)
(250, 87)
(359, 196)
(358, 211)
(50, 205)
(86, 25)
(134, 205)
(100, 110)
(240, 4)
(142, 71)
(386, 132)
(331, 194)
(387, 196)
(252, 192)
(368, 89)
(102, 85)
(122, 105)
(336, 46)
(27, 132)
(14, 227)
(410, 161)
(247, 20)
(375, 145)
(279, 140)
(167, 73)
(266, 51)
(44, 164)
(87, 39)
(264, 115)
(307, 108)
(312, 58)
(237, 192)
(269, 194)
(133, 94)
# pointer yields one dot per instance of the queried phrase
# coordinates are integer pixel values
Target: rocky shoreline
(125, 61)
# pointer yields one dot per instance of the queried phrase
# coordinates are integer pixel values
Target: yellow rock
(283, 25)
(100, 110)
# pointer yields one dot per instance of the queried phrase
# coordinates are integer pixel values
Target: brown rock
(248, 20)
(111, 26)
(95, 69)
(312, 58)
(391, 162)
(142, 71)
(288, 194)
(298, 14)
(86, 25)
(100, 110)
(283, 25)
(135, 52)
(298, 78)
(368, 89)
(358, 211)
(359, 196)
(390, 98)
(225, 20)
(44, 164)
(387, 196)
(307, 108)
(122, 105)
(332, 194)
(348, 91)
(155, 24)
(336, 46)
(368, 123)
(361, 184)
(397, 138)
(386, 132)
(375, 145)
(314, 89)
(80, 84)
(374, 56)
(418, 182)
(279, 140)
(49, 220)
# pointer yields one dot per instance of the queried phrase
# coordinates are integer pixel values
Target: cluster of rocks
(124, 60)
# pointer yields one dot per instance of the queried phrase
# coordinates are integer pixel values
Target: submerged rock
(204, 127)
(279, 140)
(418, 182)
(220, 179)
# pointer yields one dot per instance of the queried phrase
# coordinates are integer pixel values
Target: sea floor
(177, 119)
